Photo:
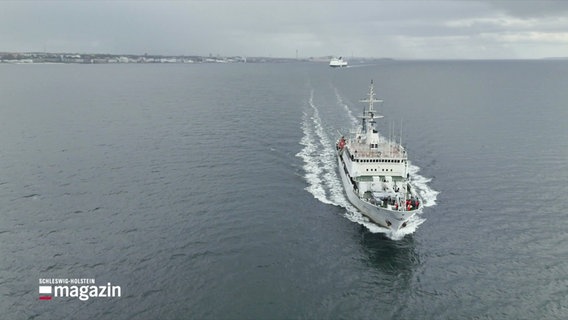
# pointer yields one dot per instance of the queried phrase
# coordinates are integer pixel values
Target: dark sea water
(210, 191)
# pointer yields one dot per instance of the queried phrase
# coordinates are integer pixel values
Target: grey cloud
(367, 28)
(527, 9)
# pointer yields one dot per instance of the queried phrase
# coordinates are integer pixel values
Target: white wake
(319, 158)
(324, 183)
(345, 106)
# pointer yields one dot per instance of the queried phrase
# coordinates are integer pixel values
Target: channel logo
(82, 289)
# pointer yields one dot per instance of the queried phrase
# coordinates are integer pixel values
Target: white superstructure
(337, 62)
(374, 171)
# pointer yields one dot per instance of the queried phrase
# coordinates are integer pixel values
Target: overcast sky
(396, 29)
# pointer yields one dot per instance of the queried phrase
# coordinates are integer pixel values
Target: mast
(370, 114)
(363, 122)
(371, 98)
(400, 133)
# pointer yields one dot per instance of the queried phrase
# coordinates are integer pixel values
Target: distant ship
(337, 62)
(375, 173)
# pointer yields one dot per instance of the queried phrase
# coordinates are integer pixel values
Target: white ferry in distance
(337, 62)
(374, 172)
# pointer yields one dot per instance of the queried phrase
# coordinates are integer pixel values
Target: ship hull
(390, 219)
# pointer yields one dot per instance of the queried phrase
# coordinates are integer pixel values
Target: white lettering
(61, 291)
(84, 293)
(102, 293)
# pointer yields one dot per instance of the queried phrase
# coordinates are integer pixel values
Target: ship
(337, 62)
(375, 174)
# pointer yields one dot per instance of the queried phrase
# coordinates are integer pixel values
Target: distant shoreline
(84, 58)
(55, 58)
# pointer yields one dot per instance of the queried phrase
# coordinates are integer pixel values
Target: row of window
(383, 170)
(379, 160)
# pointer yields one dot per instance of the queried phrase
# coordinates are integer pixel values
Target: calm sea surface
(210, 191)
